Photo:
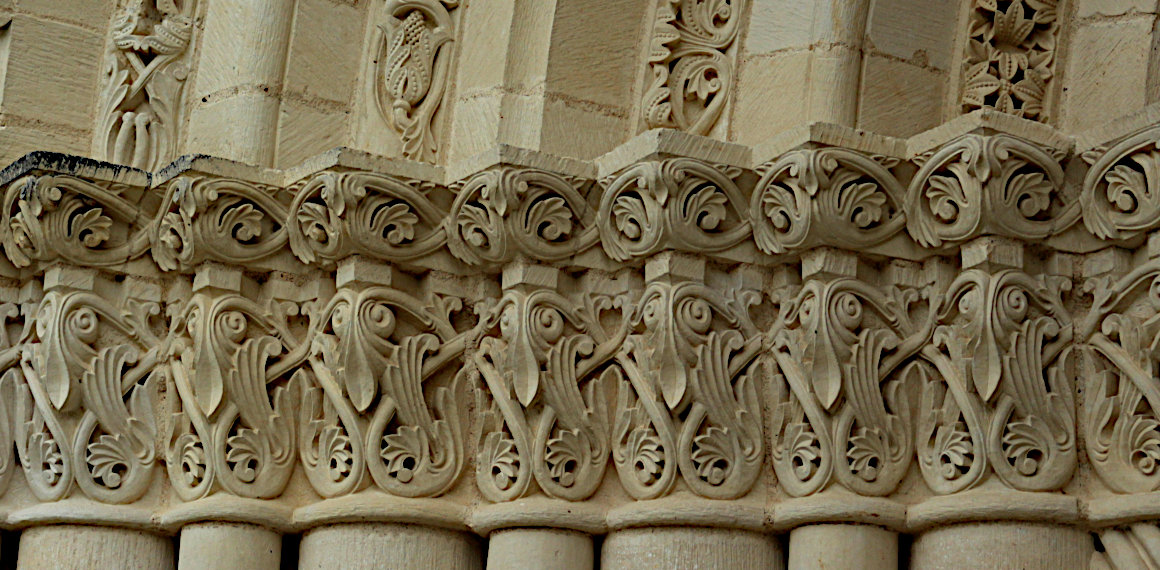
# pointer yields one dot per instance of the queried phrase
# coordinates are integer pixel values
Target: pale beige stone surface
(1001, 546)
(539, 548)
(689, 547)
(222, 546)
(75, 547)
(387, 546)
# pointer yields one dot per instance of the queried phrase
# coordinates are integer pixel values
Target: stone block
(770, 96)
(918, 31)
(483, 49)
(776, 25)
(1108, 72)
(899, 99)
(52, 73)
(93, 15)
(322, 61)
(603, 129)
(305, 130)
(595, 48)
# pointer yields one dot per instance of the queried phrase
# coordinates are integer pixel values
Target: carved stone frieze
(1121, 194)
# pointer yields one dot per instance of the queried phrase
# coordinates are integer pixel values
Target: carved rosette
(145, 69)
(64, 218)
(679, 203)
(233, 423)
(826, 196)
(689, 400)
(388, 370)
(1010, 57)
(546, 363)
(1121, 426)
(83, 408)
(338, 214)
(1002, 399)
(998, 185)
(843, 407)
(411, 70)
(508, 212)
(1121, 194)
(218, 219)
(692, 71)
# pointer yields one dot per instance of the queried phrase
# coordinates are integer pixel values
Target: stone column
(238, 86)
(836, 64)
(673, 548)
(843, 546)
(387, 546)
(68, 547)
(1001, 545)
(546, 548)
(219, 545)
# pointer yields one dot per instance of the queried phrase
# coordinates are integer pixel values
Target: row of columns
(217, 545)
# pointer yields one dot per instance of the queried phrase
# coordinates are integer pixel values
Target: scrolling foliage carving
(998, 184)
(1003, 394)
(689, 400)
(1121, 194)
(692, 74)
(506, 212)
(83, 409)
(338, 214)
(233, 426)
(546, 363)
(411, 70)
(679, 203)
(843, 409)
(220, 220)
(1121, 426)
(15, 330)
(388, 371)
(144, 75)
(827, 196)
(62, 217)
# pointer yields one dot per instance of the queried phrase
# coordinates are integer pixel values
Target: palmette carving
(692, 73)
(688, 402)
(679, 203)
(234, 427)
(61, 217)
(219, 220)
(843, 407)
(1002, 399)
(1121, 426)
(828, 196)
(83, 411)
(411, 70)
(545, 417)
(997, 184)
(1121, 193)
(502, 213)
(144, 76)
(382, 402)
(338, 214)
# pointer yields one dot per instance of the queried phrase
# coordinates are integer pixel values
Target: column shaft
(69, 547)
(214, 546)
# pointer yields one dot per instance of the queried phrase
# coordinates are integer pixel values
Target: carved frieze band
(677, 329)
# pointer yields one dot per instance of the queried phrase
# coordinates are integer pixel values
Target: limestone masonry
(558, 284)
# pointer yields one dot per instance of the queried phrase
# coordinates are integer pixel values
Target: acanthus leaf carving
(998, 184)
(83, 412)
(679, 203)
(688, 402)
(386, 399)
(336, 215)
(827, 196)
(843, 412)
(544, 415)
(1121, 193)
(233, 425)
(506, 212)
(1002, 398)
(217, 219)
(692, 72)
(61, 217)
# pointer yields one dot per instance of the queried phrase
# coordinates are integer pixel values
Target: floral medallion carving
(1011, 54)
